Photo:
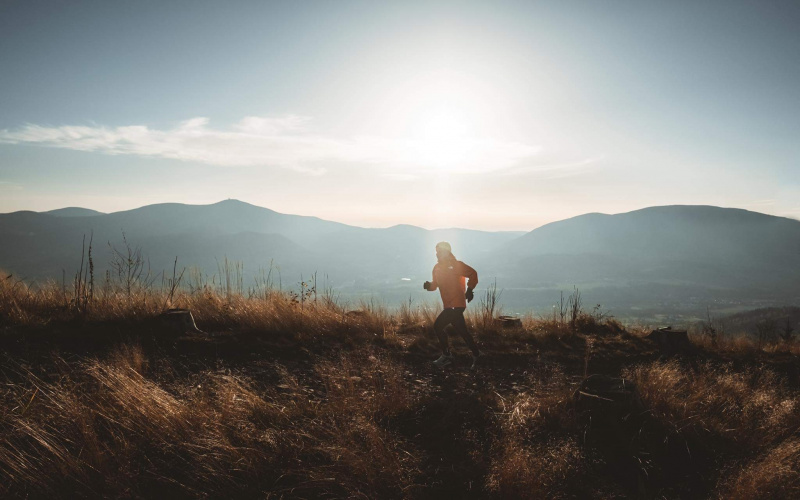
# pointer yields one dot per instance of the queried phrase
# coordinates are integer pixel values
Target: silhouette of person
(455, 282)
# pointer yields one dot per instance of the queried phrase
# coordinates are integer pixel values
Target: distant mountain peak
(74, 212)
(706, 210)
(700, 233)
(406, 227)
(234, 202)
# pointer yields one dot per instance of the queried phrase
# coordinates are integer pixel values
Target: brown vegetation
(311, 399)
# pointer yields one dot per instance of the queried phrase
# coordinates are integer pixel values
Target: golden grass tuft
(538, 454)
(773, 474)
(751, 408)
(109, 427)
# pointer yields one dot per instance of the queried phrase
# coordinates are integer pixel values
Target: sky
(488, 115)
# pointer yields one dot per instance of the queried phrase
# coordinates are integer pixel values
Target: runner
(456, 282)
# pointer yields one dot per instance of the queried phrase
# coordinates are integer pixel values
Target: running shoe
(444, 360)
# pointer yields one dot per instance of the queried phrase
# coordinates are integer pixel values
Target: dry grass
(538, 454)
(774, 474)
(747, 417)
(268, 313)
(107, 427)
(348, 405)
(745, 345)
(751, 408)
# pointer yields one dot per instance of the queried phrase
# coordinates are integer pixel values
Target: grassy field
(303, 397)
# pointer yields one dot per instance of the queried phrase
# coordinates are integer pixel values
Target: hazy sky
(488, 115)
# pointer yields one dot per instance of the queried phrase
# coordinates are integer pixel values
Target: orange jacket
(450, 278)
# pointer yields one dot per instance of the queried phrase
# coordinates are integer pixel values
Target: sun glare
(443, 124)
(442, 115)
(443, 140)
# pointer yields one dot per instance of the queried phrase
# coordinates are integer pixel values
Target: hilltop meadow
(300, 395)
(228, 232)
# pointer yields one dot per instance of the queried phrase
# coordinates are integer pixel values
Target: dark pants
(453, 316)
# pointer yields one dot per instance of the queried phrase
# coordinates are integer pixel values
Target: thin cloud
(554, 170)
(277, 141)
(762, 203)
(401, 177)
(10, 186)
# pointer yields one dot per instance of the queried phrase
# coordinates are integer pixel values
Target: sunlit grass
(350, 406)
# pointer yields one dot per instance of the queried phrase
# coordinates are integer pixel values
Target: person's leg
(461, 327)
(438, 326)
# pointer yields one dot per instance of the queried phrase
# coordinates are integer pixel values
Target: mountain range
(675, 259)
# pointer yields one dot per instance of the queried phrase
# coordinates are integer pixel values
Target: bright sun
(438, 114)
(442, 139)
(448, 122)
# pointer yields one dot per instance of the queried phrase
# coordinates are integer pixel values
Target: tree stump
(180, 320)
(671, 341)
(508, 322)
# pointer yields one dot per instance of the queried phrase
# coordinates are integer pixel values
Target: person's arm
(470, 274)
(431, 285)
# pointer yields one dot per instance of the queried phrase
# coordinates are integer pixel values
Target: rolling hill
(41, 245)
(671, 258)
(709, 253)
(73, 212)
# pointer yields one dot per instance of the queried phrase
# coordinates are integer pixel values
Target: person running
(455, 282)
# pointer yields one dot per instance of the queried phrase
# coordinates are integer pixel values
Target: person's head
(443, 251)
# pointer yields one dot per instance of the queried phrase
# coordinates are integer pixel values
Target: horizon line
(99, 213)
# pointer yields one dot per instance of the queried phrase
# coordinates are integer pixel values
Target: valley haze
(658, 264)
